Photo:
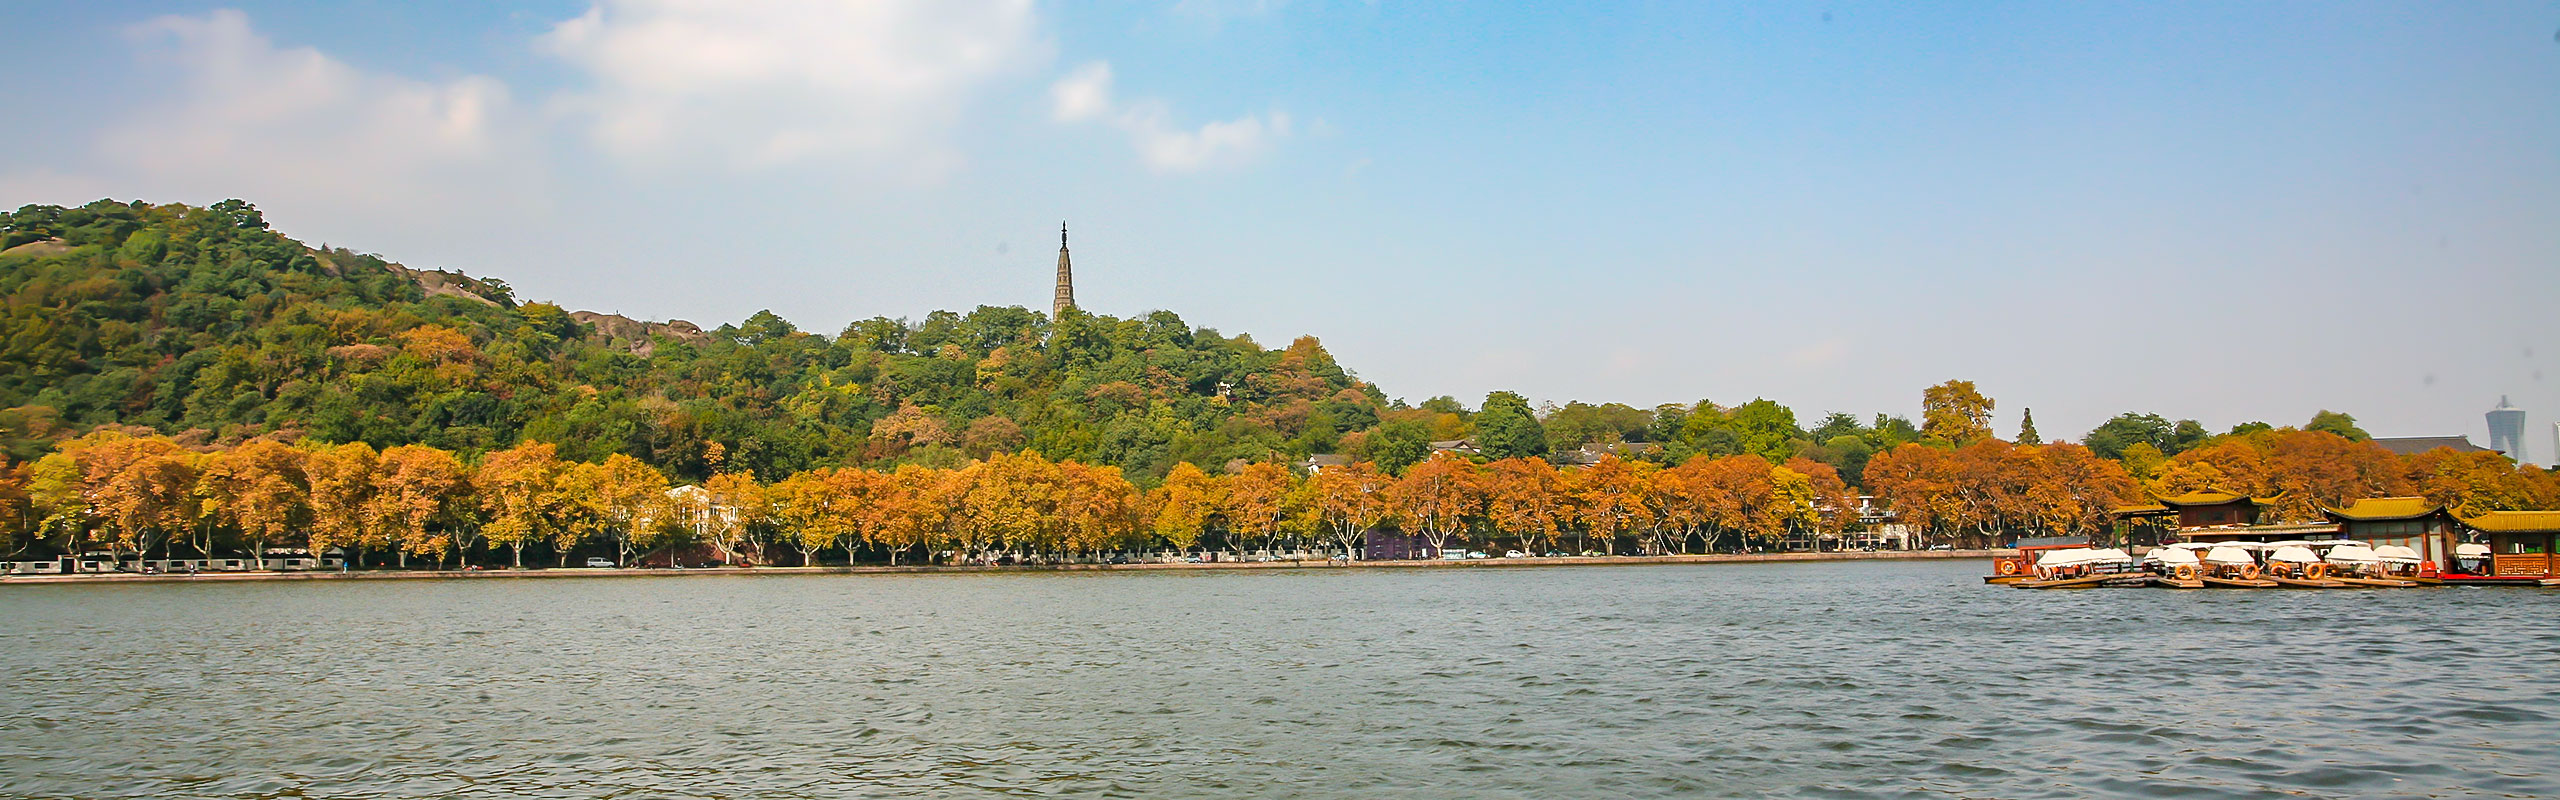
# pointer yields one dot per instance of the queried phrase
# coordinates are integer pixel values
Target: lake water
(1870, 679)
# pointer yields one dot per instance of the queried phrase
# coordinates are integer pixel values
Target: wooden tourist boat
(2078, 567)
(2174, 568)
(2357, 564)
(2021, 568)
(2293, 565)
(2232, 566)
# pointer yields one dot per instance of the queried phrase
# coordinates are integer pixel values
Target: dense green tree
(2338, 423)
(1506, 428)
(2027, 428)
(2186, 435)
(2110, 439)
(1579, 423)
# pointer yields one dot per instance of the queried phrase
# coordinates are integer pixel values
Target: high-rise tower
(2506, 429)
(1066, 296)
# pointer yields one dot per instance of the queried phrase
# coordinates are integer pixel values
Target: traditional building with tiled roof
(2521, 543)
(2209, 515)
(2411, 522)
(2413, 445)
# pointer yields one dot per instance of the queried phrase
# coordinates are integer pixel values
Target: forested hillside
(203, 324)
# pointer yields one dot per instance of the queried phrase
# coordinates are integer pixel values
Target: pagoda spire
(1066, 294)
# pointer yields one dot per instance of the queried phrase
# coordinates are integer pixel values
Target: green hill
(204, 324)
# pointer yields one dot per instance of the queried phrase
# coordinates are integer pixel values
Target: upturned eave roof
(2379, 509)
(2515, 522)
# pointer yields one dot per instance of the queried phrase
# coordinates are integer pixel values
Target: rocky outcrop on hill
(443, 282)
(640, 338)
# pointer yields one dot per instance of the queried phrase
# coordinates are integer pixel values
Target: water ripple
(1849, 680)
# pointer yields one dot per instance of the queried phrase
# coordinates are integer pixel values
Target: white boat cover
(2228, 555)
(2109, 556)
(2470, 549)
(2352, 554)
(2288, 543)
(2396, 554)
(2294, 555)
(2063, 558)
(2171, 556)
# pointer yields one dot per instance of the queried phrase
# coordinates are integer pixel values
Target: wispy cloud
(766, 84)
(293, 126)
(1085, 95)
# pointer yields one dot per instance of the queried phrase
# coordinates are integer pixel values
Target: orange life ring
(2184, 572)
(2248, 572)
(2008, 568)
(2316, 571)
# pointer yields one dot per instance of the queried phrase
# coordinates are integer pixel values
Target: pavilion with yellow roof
(2411, 522)
(2520, 542)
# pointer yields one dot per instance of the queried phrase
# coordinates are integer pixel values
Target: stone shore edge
(555, 572)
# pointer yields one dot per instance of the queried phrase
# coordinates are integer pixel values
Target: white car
(599, 563)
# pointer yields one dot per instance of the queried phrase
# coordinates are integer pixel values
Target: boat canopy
(2352, 554)
(2063, 558)
(2109, 556)
(2288, 543)
(2470, 550)
(2229, 555)
(2396, 554)
(2294, 554)
(2171, 556)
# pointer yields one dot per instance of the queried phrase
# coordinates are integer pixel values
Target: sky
(2230, 212)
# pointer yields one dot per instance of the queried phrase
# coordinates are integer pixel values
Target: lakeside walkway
(573, 572)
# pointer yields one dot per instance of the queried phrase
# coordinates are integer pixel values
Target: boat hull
(2238, 583)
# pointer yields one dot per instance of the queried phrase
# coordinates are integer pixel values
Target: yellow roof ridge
(2384, 508)
(2514, 521)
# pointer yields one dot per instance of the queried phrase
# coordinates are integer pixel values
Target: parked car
(599, 563)
(1942, 547)
(1515, 554)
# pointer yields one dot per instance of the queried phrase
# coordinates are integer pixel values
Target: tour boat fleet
(2380, 543)
(2299, 564)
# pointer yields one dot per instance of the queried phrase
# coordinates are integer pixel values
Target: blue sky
(2224, 211)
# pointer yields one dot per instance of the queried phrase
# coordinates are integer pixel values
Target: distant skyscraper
(1066, 295)
(2506, 429)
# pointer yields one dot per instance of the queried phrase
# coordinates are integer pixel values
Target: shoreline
(579, 572)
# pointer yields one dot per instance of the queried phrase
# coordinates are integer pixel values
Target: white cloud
(292, 126)
(1086, 95)
(763, 84)
(1083, 94)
